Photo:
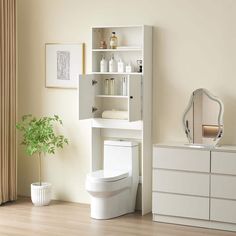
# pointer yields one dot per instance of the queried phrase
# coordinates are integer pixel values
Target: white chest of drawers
(194, 186)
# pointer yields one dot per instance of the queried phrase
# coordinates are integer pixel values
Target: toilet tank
(121, 155)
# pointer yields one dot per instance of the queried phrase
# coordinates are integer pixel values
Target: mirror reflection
(203, 118)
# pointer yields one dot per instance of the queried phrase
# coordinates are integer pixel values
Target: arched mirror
(203, 118)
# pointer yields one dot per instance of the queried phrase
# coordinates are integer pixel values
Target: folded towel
(115, 114)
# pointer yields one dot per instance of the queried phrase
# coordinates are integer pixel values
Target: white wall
(194, 46)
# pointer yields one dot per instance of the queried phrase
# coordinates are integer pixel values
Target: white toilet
(113, 190)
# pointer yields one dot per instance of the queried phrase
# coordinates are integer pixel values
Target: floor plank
(21, 218)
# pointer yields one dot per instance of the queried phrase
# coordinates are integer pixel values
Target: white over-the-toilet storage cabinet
(195, 186)
(136, 42)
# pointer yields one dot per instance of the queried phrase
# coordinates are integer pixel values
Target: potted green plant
(39, 138)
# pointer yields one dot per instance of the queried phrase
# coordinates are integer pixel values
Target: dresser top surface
(222, 148)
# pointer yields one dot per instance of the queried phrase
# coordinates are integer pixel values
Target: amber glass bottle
(113, 41)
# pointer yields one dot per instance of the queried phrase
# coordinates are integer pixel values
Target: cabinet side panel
(147, 121)
(97, 150)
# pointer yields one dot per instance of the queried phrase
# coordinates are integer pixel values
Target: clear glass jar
(112, 86)
(106, 86)
(124, 86)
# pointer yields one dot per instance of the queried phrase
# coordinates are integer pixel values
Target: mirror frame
(219, 119)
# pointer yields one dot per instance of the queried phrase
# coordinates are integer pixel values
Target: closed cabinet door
(134, 97)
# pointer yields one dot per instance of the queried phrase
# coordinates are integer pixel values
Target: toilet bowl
(113, 190)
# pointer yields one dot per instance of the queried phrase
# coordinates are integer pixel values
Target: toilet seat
(107, 176)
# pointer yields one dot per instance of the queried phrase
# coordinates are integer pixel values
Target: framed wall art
(64, 63)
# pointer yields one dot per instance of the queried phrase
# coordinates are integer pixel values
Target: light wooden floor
(63, 218)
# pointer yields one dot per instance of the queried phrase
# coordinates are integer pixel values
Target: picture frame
(63, 64)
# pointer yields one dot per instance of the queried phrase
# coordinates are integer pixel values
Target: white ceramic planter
(41, 194)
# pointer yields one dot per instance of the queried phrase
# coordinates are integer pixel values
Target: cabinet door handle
(131, 97)
(94, 109)
(94, 82)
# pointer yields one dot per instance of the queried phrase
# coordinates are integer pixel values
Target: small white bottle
(103, 65)
(112, 64)
(128, 68)
(121, 68)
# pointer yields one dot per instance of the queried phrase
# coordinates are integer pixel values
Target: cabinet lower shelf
(116, 124)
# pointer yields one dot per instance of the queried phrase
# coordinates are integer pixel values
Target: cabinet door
(134, 97)
(86, 92)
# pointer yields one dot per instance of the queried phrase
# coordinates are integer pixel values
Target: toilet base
(112, 206)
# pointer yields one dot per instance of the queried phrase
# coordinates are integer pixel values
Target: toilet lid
(106, 176)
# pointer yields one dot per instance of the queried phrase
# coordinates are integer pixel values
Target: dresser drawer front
(223, 186)
(223, 210)
(181, 159)
(182, 206)
(223, 163)
(181, 182)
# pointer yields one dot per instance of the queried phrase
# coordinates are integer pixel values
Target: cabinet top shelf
(118, 50)
(118, 26)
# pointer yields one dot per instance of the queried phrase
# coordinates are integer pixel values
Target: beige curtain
(7, 100)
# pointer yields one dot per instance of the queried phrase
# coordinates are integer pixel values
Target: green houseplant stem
(39, 136)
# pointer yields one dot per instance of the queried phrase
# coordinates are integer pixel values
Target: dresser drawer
(223, 186)
(223, 210)
(181, 159)
(179, 205)
(181, 182)
(223, 163)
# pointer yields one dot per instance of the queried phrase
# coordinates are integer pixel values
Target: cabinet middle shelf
(116, 73)
(111, 96)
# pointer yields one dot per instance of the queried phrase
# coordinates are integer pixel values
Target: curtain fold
(7, 100)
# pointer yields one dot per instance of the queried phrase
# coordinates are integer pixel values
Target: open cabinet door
(86, 96)
(134, 97)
